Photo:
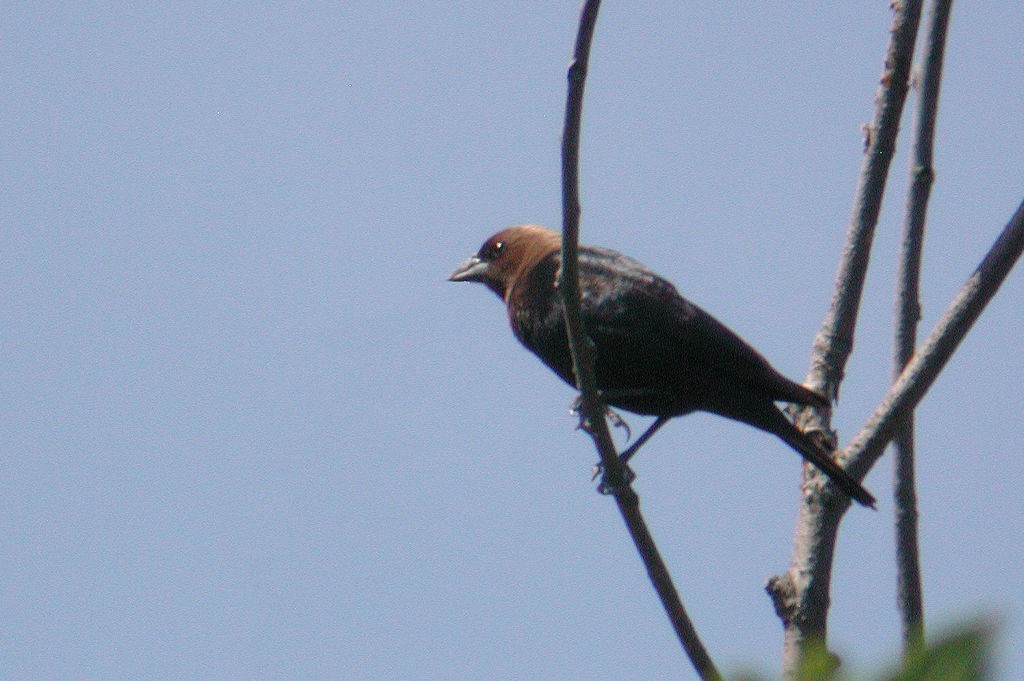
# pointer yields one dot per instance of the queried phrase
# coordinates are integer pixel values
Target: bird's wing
(626, 303)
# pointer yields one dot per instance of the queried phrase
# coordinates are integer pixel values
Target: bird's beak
(471, 269)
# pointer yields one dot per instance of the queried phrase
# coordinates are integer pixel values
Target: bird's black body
(655, 353)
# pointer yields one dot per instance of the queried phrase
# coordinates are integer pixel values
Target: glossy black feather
(656, 353)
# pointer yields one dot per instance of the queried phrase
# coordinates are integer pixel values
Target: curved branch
(592, 409)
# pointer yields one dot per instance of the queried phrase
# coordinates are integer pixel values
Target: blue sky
(249, 431)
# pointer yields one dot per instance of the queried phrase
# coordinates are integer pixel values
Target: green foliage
(962, 654)
(819, 664)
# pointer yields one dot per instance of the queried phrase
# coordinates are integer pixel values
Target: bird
(655, 352)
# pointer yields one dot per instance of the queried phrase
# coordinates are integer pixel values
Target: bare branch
(909, 598)
(592, 408)
(801, 596)
(834, 342)
(865, 449)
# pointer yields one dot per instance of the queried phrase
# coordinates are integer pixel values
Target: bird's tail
(791, 391)
(818, 455)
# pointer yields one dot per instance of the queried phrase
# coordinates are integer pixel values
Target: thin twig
(592, 409)
(909, 599)
(801, 596)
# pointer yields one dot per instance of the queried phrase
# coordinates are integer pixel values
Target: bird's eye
(492, 251)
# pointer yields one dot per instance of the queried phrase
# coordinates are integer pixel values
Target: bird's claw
(606, 486)
(576, 409)
(619, 422)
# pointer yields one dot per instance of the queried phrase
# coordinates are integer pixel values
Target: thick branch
(592, 408)
(801, 596)
(834, 342)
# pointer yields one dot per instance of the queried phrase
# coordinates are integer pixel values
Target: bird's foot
(609, 486)
(576, 406)
(617, 421)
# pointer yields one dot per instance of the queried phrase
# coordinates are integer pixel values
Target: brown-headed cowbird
(655, 353)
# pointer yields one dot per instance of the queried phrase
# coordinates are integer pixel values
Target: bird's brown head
(507, 256)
